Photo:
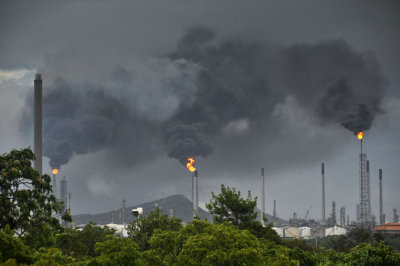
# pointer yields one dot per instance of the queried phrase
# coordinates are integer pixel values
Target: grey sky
(122, 51)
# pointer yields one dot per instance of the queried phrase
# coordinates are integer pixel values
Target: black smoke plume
(80, 119)
(232, 94)
(240, 80)
(337, 83)
(232, 84)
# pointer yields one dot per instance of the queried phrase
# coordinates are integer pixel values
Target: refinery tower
(364, 215)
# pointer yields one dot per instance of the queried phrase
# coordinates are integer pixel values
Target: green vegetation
(235, 237)
(142, 229)
(26, 199)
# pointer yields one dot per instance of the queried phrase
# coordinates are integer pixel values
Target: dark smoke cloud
(241, 80)
(186, 139)
(233, 83)
(213, 94)
(79, 119)
(338, 84)
(340, 104)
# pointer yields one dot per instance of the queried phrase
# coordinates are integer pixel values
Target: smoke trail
(242, 81)
(206, 91)
(232, 85)
(341, 105)
(77, 121)
(337, 83)
(120, 111)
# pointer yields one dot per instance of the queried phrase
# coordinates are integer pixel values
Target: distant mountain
(183, 208)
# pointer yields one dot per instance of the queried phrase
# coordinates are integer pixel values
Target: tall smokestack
(262, 196)
(343, 216)
(369, 211)
(123, 211)
(54, 185)
(381, 220)
(274, 213)
(323, 191)
(333, 214)
(195, 194)
(63, 193)
(37, 146)
(365, 198)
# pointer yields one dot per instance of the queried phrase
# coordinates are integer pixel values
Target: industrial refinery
(199, 133)
(295, 227)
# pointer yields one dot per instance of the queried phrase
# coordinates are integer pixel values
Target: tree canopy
(143, 227)
(26, 198)
(230, 206)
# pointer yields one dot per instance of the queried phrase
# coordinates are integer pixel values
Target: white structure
(335, 231)
(305, 232)
(293, 232)
(120, 229)
(137, 212)
(278, 230)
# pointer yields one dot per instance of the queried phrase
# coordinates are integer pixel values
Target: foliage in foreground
(229, 206)
(29, 235)
(142, 229)
(27, 200)
(197, 243)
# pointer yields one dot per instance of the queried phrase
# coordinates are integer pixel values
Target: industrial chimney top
(38, 77)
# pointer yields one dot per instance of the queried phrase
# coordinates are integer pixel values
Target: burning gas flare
(190, 164)
(55, 171)
(360, 135)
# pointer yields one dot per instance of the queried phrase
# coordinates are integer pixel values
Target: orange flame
(190, 164)
(360, 135)
(55, 171)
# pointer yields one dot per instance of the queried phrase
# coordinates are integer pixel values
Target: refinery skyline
(128, 98)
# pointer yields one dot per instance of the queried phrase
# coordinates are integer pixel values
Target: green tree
(117, 251)
(166, 246)
(230, 206)
(52, 256)
(41, 235)
(332, 258)
(306, 258)
(356, 236)
(70, 243)
(202, 243)
(13, 248)
(277, 255)
(367, 254)
(143, 228)
(26, 198)
(82, 243)
(223, 244)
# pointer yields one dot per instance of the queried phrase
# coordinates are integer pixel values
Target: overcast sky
(131, 88)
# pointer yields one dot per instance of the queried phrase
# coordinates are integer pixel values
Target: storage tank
(335, 231)
(278, 230)
(292, 232)
(305, 232)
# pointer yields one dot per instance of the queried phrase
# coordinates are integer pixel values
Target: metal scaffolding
(63, 193)
(365, 217)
